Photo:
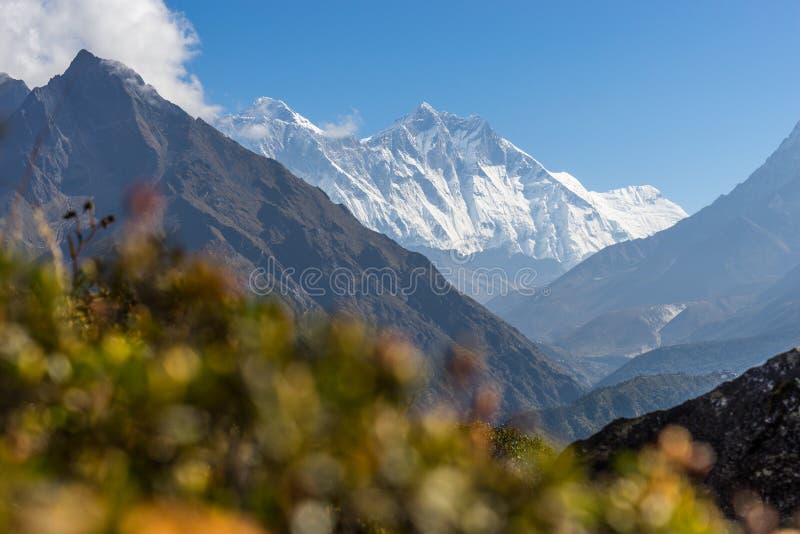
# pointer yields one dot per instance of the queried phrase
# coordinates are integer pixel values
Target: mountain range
(442, 184)
(715, 292)
(98, 130)
(727, 272)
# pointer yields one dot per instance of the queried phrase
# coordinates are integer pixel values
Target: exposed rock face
(752, 423)
(98, 128)
(12, 93)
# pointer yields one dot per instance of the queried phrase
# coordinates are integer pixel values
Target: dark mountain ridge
(12, 93)
(752, 423)
(98, 128)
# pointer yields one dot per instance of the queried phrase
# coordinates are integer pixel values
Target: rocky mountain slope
(638, 396)
(98, 129)
(12, 93)
(437, 181)
(752, 423)
(732, 338)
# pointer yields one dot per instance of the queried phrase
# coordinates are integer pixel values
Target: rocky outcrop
(752, 423)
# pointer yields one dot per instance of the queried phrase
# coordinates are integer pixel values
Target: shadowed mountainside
(12, 93)
(98, 129)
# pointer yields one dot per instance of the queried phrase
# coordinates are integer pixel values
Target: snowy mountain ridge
(439, 181)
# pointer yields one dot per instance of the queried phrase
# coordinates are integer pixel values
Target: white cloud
(254, 132)
(39, 38)
(346, 126)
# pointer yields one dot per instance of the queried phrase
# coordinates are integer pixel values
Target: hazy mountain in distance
(434, 182)
(734, 356)
(717, 260)
(103, 129)
(774, 310)
(637, 396)
(734, 341)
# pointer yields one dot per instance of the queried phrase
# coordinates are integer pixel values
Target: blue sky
(688, 96)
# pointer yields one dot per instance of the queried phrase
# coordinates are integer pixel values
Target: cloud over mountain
(39, 38)
(346, 126)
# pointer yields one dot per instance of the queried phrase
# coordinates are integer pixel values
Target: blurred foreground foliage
(152, 397)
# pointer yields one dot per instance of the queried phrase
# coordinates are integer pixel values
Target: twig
(83, 241)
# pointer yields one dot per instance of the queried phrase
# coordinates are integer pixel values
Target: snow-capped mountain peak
(266, 110)
(434, 180)
(424, 115)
